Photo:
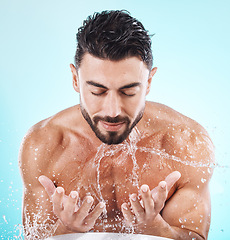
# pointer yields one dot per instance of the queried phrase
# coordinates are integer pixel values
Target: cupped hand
(144, 214)
(75, 218)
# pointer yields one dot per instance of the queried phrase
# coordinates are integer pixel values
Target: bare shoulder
(38, 144)
(177, 129)
(183, 139)
(44, 140)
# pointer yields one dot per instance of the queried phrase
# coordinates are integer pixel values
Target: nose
(112, 105)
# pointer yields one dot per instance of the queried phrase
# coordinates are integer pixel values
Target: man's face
(112, 95)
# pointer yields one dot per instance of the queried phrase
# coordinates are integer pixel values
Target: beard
(111, 137)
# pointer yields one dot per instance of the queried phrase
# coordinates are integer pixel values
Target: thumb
(47, 184)
(171, 179)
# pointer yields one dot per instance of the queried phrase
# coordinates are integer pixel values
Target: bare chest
(110, 174)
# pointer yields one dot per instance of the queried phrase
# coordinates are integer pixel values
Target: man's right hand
(73, 217)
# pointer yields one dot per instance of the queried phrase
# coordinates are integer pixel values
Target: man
(116, 163)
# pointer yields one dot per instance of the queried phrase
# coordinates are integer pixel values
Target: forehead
(108, 72)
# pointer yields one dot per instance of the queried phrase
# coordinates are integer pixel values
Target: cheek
(89, 102)
(134, 107)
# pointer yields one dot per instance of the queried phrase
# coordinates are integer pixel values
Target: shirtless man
(116, 163)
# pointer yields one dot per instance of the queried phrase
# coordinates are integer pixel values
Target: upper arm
(189, 207)
(34, 162)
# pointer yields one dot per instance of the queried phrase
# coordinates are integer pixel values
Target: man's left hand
(144, 214)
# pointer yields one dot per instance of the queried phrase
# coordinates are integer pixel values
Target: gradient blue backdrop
(191, 51)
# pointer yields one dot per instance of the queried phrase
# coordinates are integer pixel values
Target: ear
(151, 74)
(75, 78)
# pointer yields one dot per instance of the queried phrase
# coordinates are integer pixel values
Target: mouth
(112, 127)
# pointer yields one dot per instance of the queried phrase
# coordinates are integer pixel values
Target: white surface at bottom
(105, 236)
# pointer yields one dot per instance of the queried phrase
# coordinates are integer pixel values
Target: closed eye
(130, 90)
(96, 88)
(98, 94)
(128, 94)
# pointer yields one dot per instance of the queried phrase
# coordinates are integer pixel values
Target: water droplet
(203, 180)
(4, 218)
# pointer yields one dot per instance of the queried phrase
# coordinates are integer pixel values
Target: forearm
(163, 229)
(175, 233)
(184, 234)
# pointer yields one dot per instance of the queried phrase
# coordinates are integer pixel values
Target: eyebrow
(135, 84)
(96, 84)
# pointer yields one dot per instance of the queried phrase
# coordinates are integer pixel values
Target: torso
(81, 162)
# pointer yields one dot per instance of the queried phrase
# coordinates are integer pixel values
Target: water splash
(129, 147)
(37, 228)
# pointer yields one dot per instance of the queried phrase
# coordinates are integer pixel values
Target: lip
(112, 127)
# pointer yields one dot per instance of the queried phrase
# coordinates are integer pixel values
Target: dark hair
(113, 35)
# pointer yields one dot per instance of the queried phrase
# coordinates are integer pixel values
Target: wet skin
(80, 219)
(61, 158)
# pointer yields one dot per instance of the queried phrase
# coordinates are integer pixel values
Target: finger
(171, 179)
(147, 201)
(70, 204)
(47, 184)
(57, 199)
(128, 215)
(160, 197)
(83, 211)
(95, 214)
(136, 207)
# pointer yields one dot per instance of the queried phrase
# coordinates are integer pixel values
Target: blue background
(191, 51)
